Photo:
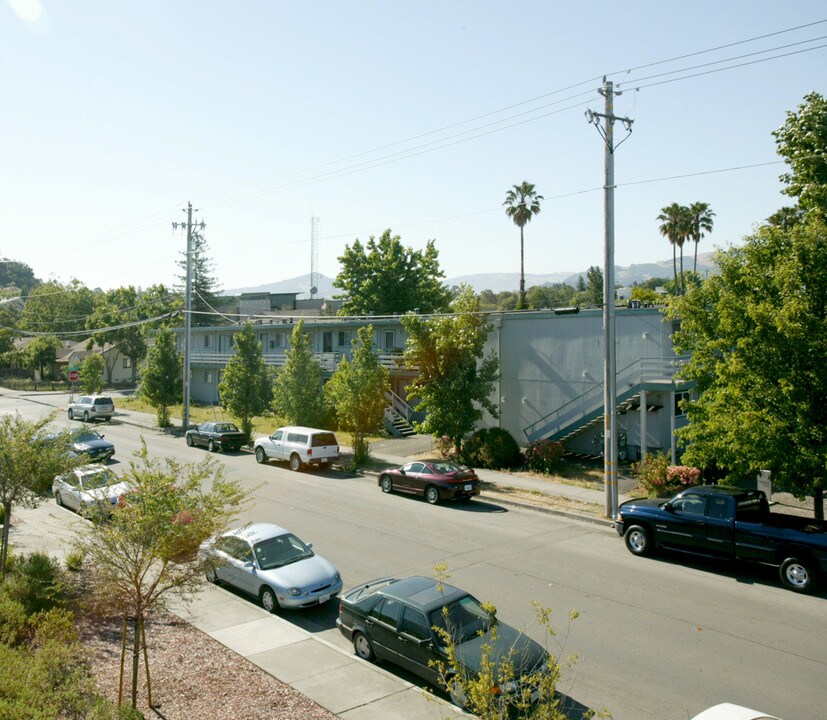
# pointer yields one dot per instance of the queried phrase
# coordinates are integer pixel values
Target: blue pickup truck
(731, 523)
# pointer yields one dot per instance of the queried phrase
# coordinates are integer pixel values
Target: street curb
(528, 506)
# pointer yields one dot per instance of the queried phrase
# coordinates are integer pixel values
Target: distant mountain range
(497, 282)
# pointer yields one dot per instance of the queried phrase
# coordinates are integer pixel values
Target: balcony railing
(393, 361)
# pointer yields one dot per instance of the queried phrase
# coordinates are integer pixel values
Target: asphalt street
(656, 638)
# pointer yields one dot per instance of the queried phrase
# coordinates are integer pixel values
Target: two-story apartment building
(551, 364)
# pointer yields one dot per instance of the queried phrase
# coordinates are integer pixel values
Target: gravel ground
(192, 676)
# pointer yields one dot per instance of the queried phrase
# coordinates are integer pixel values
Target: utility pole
(610, 360)
(187, 312)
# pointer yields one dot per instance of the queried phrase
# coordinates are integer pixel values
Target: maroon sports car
(434, 479)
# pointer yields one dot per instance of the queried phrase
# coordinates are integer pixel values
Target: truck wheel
(261, 456)
(797, 575)
(638, 540)
(295, 463)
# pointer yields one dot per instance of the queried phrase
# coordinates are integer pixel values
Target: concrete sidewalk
(332, 677)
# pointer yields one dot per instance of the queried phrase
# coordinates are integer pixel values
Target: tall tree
(522, 202)
(147, 552)
(122, 317)
(357, 393)
(757, 333)
(90, 377)
(700, 223)
(674, 225)
(58, 309)
(161, 375)
(298, 392)
(384, 277)
(42, 352)
(594, 289)
(205, 287)
(18, 276)
(801, 141)
(455, 378)
(31, 456)
(246, 386)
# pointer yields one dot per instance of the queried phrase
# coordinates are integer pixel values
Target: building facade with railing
(551, 371)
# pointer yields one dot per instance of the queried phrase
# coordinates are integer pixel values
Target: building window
(327, 341)
(680, 397)
(207, 341)
(127, 362)
(208, 377)
(277, 341)
(344, 338)
(390, 339)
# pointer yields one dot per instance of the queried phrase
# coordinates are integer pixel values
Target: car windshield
(280, 551)
(462, 619)
(87, 437)
(92, 481)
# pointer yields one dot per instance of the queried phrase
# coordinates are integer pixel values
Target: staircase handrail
(640, 371)
(399, 406)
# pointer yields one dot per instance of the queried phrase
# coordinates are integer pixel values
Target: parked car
(92, 444)
(271, 563)
(91, 407)
(394, 620)
(728, 711)
(216, 436)
(299, 445)
(729, 523)
(89, 488)
(435, 480)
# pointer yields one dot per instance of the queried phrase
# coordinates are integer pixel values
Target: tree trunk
(136, 652)
(675, 268)
(521, 306)
(4, 545)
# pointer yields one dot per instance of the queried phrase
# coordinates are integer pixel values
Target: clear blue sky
(264, 114)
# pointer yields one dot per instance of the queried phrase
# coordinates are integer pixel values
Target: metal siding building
(551, 370)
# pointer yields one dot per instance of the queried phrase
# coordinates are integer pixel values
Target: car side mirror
(402, 471)
(249, 564)
(310, 545)
(669, 507)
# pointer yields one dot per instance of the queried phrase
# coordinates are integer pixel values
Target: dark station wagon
(396, 620)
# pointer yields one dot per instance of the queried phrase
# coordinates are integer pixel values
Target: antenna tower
(314, 257)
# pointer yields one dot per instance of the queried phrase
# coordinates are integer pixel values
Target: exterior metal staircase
(587, 410)
(399, 416)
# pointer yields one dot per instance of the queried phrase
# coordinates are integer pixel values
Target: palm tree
(521, 204)
(674, 224)
(700, 222)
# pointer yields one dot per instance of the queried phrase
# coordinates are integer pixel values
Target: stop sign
(73, 375)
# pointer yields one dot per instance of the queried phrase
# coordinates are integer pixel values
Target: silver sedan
(89, 488)
(271, 563)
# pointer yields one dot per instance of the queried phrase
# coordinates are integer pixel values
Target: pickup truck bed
(729, 523)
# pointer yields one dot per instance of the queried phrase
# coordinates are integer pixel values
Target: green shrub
(13, 626)
(74, 560)
(544, 456)
(36, 581)
(492, 448)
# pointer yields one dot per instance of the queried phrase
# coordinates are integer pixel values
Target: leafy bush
(445, 447)
(660, 479)
(13, 626)
(544, 456)
(74, 560)
(492, 448)
(36, 581)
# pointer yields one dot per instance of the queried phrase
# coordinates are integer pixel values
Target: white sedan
(728, 711)
(87, 488)
(273, 565)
